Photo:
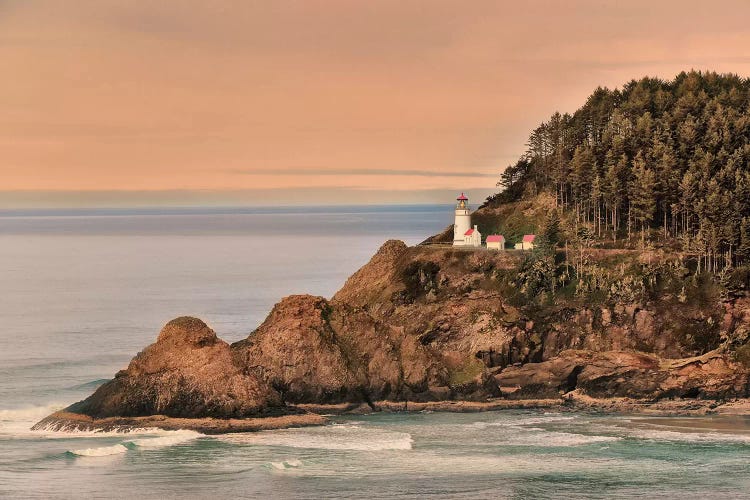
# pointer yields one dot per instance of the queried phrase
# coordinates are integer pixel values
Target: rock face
(312, 352)
(626, 374)
(296, 352)
(428, 323)
(188, 372)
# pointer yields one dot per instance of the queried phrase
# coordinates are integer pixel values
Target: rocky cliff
(434, 323)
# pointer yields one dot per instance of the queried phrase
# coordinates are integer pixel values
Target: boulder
(188, 372)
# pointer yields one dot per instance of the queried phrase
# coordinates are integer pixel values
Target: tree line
(655, 162)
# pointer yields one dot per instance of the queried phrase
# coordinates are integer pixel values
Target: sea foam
(18, 421)
(170, 438)
(103, 451)
(287, 464)
(689, 437)
(331, 437)
(549, 439)
(167, 438)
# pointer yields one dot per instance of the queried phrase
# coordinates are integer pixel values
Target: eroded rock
(187, 372)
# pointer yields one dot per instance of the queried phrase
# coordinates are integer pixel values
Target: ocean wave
(688, 437)
(170, 439)
(523, 421)
(455, 463)
(19, 420)
(287, 464)
(94, 384)
(549, 439)
(166, 438)
(527, 431)
(330, 437)
(55, 430)
(103, 451)
(546, 418)
(29, 412)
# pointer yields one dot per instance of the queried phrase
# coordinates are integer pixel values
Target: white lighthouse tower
(463, 220)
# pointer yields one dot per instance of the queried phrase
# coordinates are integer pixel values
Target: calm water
(84, 291)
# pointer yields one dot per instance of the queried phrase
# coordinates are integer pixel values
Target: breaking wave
(689, 437)
(287, 464)
(19, 421)
(549, 439)
(168, 438)
(526, 431)
(524, 421)
(330, 437)
(171, 439)
(103, 451)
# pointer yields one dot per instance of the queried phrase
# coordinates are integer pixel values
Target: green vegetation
(465, 372)
(419, 278)
(742, 355)
(660, 163)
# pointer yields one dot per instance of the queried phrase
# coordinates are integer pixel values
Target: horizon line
(233, 198)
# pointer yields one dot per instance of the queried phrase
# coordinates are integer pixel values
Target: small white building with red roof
(495, 242)
(473, 238)
(527, 243)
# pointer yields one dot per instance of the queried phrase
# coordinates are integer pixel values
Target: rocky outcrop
(626, 374)
(187, 372)
(376, 281)
(311, 351)
(424, 325)
(296, 352)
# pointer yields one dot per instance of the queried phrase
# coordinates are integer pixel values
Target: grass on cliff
(464, 371)
(742, 355)
(513, 220)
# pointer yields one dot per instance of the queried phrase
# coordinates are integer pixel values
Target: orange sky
(115, 102)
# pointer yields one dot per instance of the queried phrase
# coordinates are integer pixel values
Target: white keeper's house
(473, 238)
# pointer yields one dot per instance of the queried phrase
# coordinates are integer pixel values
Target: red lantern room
(462, 201)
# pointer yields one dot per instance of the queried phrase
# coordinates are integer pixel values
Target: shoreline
(76, 422)
(316, 414)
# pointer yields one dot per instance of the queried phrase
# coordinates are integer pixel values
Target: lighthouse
(463, 220)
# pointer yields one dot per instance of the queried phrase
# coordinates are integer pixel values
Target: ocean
(85, 290)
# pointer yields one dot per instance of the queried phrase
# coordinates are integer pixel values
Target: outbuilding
(496, 242)
(528, 242)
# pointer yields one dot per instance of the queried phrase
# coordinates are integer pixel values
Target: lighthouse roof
(462, 197)
(469, 232)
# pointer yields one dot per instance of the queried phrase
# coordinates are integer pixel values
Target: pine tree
(642, 199)
(743, 251)
(581, 175)
(668, 154)
(552, 229)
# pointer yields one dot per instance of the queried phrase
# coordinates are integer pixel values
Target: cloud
(106, 95)
(364, 172)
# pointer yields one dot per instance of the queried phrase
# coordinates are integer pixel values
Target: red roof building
(469, 232)
(529, 238)
(495, 238)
